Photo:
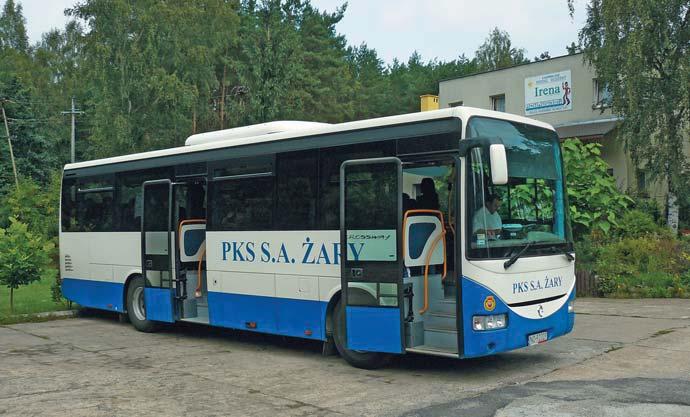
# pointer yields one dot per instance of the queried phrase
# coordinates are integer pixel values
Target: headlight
(571, 306)
(492, 322)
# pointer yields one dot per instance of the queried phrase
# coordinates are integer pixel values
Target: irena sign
(548, 93)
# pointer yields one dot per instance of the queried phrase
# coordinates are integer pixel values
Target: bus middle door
(156, 250)
(371, 261)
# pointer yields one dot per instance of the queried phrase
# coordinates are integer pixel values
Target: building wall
(585, 119)
(476, 90)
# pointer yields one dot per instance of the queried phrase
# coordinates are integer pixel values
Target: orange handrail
(431, 251)
(426, 269)
(197, 291)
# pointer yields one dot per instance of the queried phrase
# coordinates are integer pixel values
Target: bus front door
(371, 261)
(156, 250)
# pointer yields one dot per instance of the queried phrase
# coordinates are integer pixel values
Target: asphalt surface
(624, 358)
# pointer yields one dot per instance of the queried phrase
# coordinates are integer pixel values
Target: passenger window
(69, 205)
(242, 204)
(330, 161)
(296, 191)
(94, 206)
(129, 197)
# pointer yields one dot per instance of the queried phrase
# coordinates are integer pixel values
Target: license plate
(535, 339)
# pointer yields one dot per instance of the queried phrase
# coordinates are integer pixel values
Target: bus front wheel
(358, 359)
(136, 307)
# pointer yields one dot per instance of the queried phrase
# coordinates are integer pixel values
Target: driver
(486, 219)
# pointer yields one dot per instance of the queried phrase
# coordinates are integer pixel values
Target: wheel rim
(138, 303)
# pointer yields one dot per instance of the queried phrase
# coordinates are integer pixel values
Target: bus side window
(94, 199)
(296, 191)
(69, 205)
(330, 160)
(242, 204)
(129, 197)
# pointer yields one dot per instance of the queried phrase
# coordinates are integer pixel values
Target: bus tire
(363, 360)
(136, 308)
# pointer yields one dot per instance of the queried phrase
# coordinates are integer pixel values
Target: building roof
(507, 68)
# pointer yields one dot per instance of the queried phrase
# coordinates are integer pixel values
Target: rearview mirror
(499, 164)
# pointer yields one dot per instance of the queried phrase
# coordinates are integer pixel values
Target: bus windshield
(531, 208)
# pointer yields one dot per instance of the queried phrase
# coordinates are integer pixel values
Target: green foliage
(34, 205)
(654, 261)
(641, 50)
(13, 28)
(595, 202)
(33, 152)
(24, 257)
(637, 223)
(497, 52)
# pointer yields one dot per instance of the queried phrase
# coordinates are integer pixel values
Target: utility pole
(9, 142)
(73, 112)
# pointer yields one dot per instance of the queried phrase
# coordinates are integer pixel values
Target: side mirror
(499, 164)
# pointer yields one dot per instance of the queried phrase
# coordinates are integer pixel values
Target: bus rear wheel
(358, 359)
(136, 306)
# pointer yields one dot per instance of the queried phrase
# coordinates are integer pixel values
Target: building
(561, 91)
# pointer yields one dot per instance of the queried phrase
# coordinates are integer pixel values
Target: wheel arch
(125, 288)
(336, 295)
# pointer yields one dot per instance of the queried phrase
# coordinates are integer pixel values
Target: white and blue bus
(442, 233)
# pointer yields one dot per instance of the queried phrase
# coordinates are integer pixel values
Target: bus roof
(289, 130)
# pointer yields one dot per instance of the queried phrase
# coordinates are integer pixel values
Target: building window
(610, 171)
(455, 104)
(602, 94)
(498, 103)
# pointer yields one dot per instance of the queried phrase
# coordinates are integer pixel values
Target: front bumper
(518, 329)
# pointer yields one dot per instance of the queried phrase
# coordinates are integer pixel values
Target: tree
(594, 200)
(371, 89)
(13, 28)
(33, 152)
(34, 205)
(497, 52)
(544, 55)
(641, 50)
(150, 69)
(24, 257)
(327, 81)
(573, 48)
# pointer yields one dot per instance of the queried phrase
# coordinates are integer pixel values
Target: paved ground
(624, 358)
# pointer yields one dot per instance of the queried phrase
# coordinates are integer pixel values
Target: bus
(441, 233)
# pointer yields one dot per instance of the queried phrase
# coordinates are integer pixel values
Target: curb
(48, 314)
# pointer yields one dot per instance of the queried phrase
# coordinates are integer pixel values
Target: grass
(30, 299)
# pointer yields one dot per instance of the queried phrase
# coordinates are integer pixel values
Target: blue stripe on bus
(519, 328)
(95, 294)
(284, 316)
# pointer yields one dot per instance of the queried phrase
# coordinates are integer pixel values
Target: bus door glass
(371, 267)
(156, 247)
(189, 225)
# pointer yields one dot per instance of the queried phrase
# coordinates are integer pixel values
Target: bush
(595, 202)
(34, 205)
(637, 223)
(649, 266)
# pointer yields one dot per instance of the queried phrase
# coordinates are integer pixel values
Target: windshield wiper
(517, 256)
(569, 256)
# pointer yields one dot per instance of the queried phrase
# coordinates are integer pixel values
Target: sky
(437, 29)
